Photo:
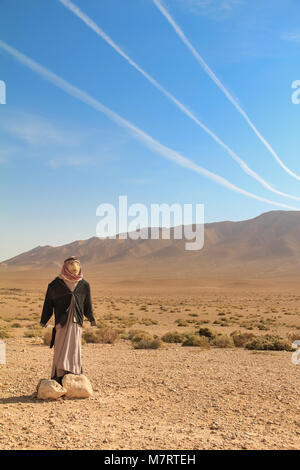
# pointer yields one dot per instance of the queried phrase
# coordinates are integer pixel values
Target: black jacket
(58, 297)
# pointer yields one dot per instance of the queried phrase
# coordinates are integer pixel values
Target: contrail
(215, 79)
(91, 24)
(146, 139)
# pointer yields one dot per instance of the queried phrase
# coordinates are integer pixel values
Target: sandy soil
(171, 398)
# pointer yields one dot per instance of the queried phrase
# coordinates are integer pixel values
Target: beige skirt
(67, 348)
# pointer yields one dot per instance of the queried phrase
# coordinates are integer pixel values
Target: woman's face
(73, 267)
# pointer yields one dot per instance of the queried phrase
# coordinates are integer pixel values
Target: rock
(77, 386)
(49, 389)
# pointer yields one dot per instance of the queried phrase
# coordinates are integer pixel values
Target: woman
(70, 297)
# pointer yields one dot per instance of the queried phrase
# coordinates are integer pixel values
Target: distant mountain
(267, 245)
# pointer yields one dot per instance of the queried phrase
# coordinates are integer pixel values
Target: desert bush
(148, 343)
(32, 333)
(148, 321)
(132, 333)
(196, 340)
(143, 335)
(181, 322)
(223, 341)
(90, 336)
(107, 335)
(173, 337)
(206, 332)
(100, 335)
(47, 336)
(16, 325)
(124, 335)
(293, 336)
(4, 334)
(102, 324)
(269, 342)
(241, 339)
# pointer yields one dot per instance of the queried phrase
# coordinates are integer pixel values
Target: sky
(163, 101)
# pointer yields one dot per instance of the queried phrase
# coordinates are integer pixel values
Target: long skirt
(67, 348)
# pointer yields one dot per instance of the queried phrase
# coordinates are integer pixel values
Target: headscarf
(67, 275)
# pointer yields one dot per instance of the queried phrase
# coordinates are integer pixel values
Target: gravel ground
(172, 398)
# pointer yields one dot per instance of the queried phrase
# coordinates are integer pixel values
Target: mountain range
(265, 246)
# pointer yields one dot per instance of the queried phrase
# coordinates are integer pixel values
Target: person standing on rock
(70, 297)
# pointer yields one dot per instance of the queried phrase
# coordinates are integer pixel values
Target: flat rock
(49, 389)
(77, 386)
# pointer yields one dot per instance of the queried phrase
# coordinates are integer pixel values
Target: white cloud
(7, 152)
(73, 160)
(135, 181)
(35, 130)
(216, 9)
(293, 37)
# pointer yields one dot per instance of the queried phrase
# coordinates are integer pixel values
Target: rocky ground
(172, 398)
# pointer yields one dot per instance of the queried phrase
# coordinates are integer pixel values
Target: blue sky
(60, 158)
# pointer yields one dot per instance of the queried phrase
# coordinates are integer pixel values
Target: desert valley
(192, 350)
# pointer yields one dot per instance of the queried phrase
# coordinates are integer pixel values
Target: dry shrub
(4, 334)
(196, 340)
(223, 341)
(141, 337)
(181, 322)
(148, 321)
(100, 335)
(293, 336)
(107, 335)
(241, 339)
(269, 342)
(33, 333)
(173, 337)
(206, 332)
(134, 332)
(148, 343)
(47, 336)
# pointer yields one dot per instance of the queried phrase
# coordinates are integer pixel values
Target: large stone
(77, 386)
(49, 389)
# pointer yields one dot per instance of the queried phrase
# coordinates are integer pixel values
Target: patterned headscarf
(66, 274)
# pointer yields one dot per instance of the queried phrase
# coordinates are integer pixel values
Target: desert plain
(172, 397)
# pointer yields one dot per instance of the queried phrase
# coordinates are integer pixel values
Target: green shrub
(124, 335)
(241, 339)
(16, 325)
(181, 322)
(148, 343)
(223, 341)
(196, 340)
(132, 333)
(173, 337)
(269, 342)
(143, 335)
